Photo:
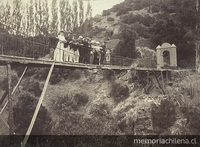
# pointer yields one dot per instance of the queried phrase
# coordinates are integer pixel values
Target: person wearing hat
(68, 52)
(103, 46)
(52, 42)
(59, 51)
(81, 52)
(99, 52)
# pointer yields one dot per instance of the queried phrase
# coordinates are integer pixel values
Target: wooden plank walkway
(4, 59)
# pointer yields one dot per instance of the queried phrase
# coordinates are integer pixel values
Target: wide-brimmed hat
(93, 41)
(97, 42)
(70, 32)
(62, 31)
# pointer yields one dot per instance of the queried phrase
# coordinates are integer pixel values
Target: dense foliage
(192, 113)
(171, 21)
(163, 116)
(23, 112)
(119, 92)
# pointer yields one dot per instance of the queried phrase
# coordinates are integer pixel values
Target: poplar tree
(63, 13)
(81, 15)
(88, 22)
(75, 16)
(7, 14)
(45, 18)
(54, 12)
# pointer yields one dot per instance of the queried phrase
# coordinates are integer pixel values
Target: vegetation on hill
(23, 112)
(170, 21)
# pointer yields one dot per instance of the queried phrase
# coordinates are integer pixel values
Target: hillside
(83, 101)
(116, 102)
(153, 22)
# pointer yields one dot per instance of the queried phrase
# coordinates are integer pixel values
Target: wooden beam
(162, 78)
(3, 97)
(37, 107)
(10, 100)
(159, 83)
(13, 91)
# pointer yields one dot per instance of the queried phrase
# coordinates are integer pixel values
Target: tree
(62, 14)
(23, 112)
(81, 15)
(126, 46)
(7, 13)
(87, 25)
(191, 113)
(30, 19)
(45, 18)
(74, 16)
(54, 12)
(163, 115)
(171, 31)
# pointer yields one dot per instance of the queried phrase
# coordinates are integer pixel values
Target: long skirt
(58, 53)
(76, 56)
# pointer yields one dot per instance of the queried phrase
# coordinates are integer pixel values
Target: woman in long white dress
(58, 53)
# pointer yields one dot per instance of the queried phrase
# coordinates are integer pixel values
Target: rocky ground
(132, 115)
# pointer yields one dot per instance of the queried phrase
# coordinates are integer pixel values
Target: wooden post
(9, 72)
(158, 82)
(197, 35)
(163, 84)
(37, 107)
(147, 78)
(167, 77)
(10, 119)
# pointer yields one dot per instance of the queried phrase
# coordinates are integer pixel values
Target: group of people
(69, 47)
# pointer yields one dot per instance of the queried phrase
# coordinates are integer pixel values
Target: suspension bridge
(34, 52)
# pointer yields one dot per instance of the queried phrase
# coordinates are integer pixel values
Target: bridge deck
(47, 63)
(16, 60)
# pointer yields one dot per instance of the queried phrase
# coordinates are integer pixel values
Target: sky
(97, 5)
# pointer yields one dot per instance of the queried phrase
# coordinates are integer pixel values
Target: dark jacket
(53, 41)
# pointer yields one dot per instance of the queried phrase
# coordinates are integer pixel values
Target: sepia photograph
(99, 73)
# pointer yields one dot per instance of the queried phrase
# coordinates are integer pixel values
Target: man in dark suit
(52, 42)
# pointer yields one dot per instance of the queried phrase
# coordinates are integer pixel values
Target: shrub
(4, 85)
(119, 92)
(19, 69)
(70, 103)
(31, 72)
(192, 115)
(41, 73)
(108, 74)
(121, 11)
(163, 116)
(23, 112)
(81, 98)
(97, 30)
(58, 74)
(110, 19)
(62, 103)
(75, 75)
(33, 87)
(55, 78)
(96, 19)
(106, 12)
